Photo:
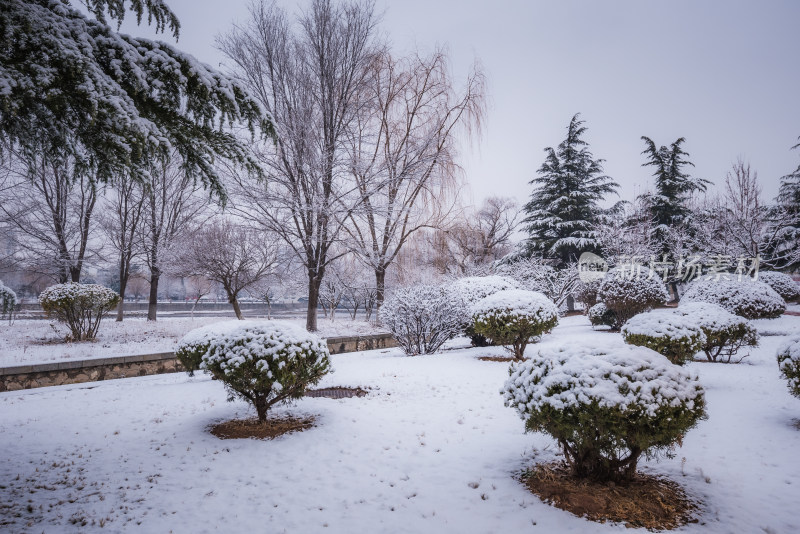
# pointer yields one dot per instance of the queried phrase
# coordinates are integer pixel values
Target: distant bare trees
(236, 257)
(172, 202)
(50, 212)
(402, 152)
(120, 220)
(310, 78)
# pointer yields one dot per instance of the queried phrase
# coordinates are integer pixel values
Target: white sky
(723, 74)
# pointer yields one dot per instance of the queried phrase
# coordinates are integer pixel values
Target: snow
(29, 341)
(515, 303)
(474, 288)
(431, 449)
(782, 283)
(627, 377)
(748, 298)
(664, 325)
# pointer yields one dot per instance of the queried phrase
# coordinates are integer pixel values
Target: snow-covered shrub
(261, 362)
(605, 406)
(631, 292)
(672, 335)
(725, 332)
(474, 288)
(782, 283)
(600, 315)
(80, 306)
(789, 363)
(8, 299)
(586, 293)
(514, 316)
(748, 298)
(421, 318)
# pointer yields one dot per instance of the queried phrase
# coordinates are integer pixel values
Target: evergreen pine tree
(74, 90)
(669, 205)
(564, 207)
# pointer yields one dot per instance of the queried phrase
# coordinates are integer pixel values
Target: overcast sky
(723, 74)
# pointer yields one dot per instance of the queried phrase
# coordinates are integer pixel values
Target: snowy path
(431, 449)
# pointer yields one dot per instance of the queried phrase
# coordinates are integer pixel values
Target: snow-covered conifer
(672, 335)
(725, 332)
(631, 291)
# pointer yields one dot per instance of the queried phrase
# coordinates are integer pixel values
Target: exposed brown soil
(336, 392)
(252, 428)
(496, 358)
(651, 502)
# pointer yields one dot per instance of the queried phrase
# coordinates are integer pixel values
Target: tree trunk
(235, 303)
(123, 282)
(380, 286)
(313, 301)
(152, 304)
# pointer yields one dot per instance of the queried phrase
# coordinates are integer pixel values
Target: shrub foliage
(262, 362)
(629, 292)
(80, 306)
(748, 298)
(8, 299)
(605, 407)
(513, 317)
(421, 318)
(600, 315)
(474, 288)
(789, 364)
(674, 336)
(725, 332)
(782, 283)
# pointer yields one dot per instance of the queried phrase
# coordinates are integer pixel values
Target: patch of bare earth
(254, 429)
(496, 358)
(650, 502)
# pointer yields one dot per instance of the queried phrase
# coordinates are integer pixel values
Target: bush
(8, 299)
(262, 362)
(605, 407)
(513, 317)
(672, 335)
(782, 283)
(789, 363)
(533, 275)
(749, 298)
(627, 293)
(600, 315)
(80, 306)
(421, 318)
(725, 332)
(586, 293)
(471, 289)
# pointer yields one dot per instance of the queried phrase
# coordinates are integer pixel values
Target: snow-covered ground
(431, 449)
(28, 341)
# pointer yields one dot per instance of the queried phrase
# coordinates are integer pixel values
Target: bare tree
(50, 211)
(403, 152)
(235, 256)
(308, 77)
(172, 203)
(198, 287)
(120, 220)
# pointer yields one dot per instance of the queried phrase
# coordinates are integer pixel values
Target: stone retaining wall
(75, 372)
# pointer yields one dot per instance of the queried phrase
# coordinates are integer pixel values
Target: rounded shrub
(600, 315)
(725, 332)
(79, 306)
(747, 298)
(783, 284)
(631, 292)
(262, 362)
(514, 316)
(789, 363)
(421, 318)
(586, 293)
(605, 406)
(674, 336)
(8, 299)
(471, 289)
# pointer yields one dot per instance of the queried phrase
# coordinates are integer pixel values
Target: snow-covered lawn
(431, 449)
(28, 341)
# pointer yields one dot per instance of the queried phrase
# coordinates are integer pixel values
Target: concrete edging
(20, 377)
